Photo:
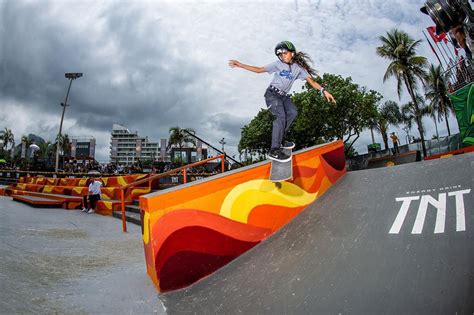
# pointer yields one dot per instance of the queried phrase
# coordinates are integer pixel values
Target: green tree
(44, 149)
(411, 113)
(350, 151)
(437, 93)
(180, 137)
(322, 122)
(388, 114)
(8, 138)
(64, 144)
(256, 137)
(318, 121)
(405, 66)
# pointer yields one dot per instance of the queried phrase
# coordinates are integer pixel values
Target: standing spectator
(93, 195)
(395, 143)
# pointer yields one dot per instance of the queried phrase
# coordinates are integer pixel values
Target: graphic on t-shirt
(287, 74)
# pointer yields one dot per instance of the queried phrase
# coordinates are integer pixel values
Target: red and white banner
(435, 37)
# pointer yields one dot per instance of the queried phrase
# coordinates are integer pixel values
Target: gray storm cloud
(154, 65)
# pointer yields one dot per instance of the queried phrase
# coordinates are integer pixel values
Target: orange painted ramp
(191, 230)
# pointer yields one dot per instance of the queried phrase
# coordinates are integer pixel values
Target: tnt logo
(439, 204)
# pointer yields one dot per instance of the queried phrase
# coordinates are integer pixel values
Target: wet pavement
(68, 262)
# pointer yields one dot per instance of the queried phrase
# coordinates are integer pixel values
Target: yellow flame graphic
(244, 197)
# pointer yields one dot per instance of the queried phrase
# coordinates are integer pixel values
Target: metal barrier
(184, 169)
(433, 147)
(459, 75)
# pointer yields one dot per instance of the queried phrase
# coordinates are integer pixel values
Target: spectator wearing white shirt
(93, 195)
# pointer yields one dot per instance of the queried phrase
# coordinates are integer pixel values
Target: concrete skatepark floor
(69, 262)
(338, 256)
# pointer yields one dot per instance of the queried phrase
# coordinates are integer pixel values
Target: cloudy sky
(152, 65)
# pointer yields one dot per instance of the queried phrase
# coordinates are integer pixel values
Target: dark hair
(303, 60)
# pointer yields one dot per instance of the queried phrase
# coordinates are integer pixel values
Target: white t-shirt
(94, 187)
(285, 74)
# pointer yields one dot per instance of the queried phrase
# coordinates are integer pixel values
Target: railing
(433, 147)
(158, 176)
(459, 75)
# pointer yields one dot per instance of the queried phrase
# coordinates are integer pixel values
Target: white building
(126, 147)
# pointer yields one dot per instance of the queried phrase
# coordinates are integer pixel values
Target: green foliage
(437, 93)
(45, 149)
(413, 113)
(353, 112)
(147, 163)
(318, 121)
(350, 152)
(388, 114)
(8, 138)
(64, 144)
(257, 135)
(180, 137)
(406, 67)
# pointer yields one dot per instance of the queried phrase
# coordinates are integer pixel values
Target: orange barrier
(192, 230)
(150, 179)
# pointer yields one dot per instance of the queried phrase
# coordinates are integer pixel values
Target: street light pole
(70, 76)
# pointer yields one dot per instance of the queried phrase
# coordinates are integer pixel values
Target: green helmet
(284, 46)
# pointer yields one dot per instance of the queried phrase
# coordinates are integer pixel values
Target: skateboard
(281, 171)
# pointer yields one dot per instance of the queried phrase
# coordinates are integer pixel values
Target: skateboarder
(291, 65)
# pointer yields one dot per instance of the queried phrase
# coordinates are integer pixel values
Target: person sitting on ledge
(93, 195)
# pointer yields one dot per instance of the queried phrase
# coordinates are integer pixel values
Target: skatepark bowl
(192, 230)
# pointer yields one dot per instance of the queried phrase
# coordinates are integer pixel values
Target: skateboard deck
(281, 171)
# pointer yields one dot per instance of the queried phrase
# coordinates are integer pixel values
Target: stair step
(132, 208)
(131, 217)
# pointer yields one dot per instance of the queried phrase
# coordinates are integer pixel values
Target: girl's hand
(329, 97)
(234, 63)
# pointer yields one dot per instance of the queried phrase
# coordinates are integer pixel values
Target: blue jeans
(284, 113)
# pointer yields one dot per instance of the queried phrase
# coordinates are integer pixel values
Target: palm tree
(44, 148)
(432, 114)
(388, 114)
(64, 144)
(44, 152)
(406, 67)
(8, 138)
(180, 137)
(437, 93)
(413, 114)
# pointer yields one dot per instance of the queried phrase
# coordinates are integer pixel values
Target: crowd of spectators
(88, 167)
(94, 166)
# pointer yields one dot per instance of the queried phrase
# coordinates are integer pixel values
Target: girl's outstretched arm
(238, 64)
(318, 87)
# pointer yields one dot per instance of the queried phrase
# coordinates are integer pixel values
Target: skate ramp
(396, 240)
(192, 230)
(392, 160)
